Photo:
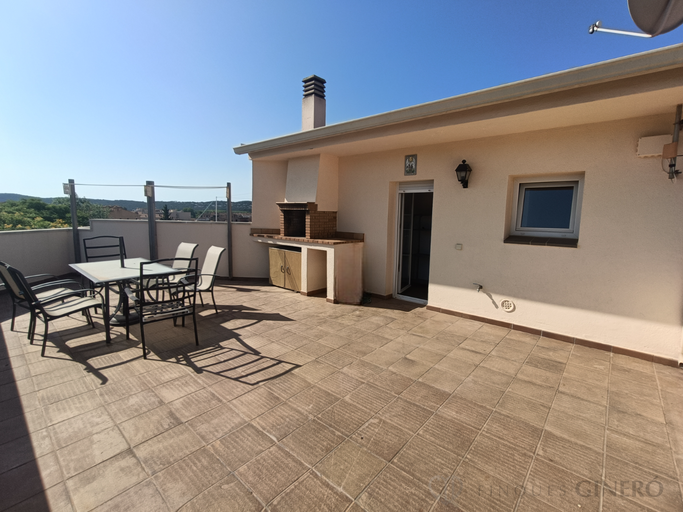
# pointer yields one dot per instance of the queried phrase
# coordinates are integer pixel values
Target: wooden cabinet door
(293, 270)
(276, 258)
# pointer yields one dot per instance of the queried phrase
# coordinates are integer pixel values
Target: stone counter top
(304, 240)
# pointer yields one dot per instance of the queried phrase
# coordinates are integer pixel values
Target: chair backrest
(185, 251)
(166, 293)
(10, 282)
(25, 291)
(104, 247)
(213, 256)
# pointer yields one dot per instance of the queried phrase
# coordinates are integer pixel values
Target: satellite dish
(653, 17)
(656, 17)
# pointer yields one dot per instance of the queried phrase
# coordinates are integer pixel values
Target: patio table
(112, 272)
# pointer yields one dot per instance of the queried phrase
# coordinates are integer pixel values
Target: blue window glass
(547, 207)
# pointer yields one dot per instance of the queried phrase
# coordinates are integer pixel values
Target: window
(544, 211)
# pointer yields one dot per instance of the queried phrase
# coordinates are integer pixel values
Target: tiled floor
(291, 403)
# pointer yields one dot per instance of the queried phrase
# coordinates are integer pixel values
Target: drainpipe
(151, 220)
(74, 220)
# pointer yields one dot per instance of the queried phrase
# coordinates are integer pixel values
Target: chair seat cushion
(71, 305)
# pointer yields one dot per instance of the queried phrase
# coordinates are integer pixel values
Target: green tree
(33, 213)
(193, 213)
(165, 213)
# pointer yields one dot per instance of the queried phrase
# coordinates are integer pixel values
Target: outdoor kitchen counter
(304, 240)
(334, 265)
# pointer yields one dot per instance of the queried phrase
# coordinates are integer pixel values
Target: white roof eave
(593, 74)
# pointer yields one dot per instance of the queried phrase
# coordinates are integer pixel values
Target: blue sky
(119, 92)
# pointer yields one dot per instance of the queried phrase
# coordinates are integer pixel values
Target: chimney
(313, 104)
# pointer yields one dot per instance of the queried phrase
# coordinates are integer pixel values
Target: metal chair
(56, 307)
(46, 292)
(161, 298)
(207, 275)
(184, 252)
(105, 247)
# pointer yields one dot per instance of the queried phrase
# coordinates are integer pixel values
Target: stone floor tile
(543, 363)
(523, 408)
(167, 448)
(464, 327)
(442, 379)
(539, 376)
(363, 370)
(74, 406)
(394, 490)
(480, 393)
(576, 429)
(633, 363)
(639, 426)
(558, 354)
(382, 438)
(491, 377)
(345, 417)
(481, 346)
(410, 368)
(528, 389)
(654, 457)
(227, 495)
(189, 477)
(228, 389)
(314, 400)
(371, 397)
(475, 490)
(634, 405)
(338, 359)
(408, 415)
(466, 411)
(585, 390)
(350, 467)
(499, 459)
(426, 462)
(312, 442)
(103, 482)
(664, 496)
(255, 402)
(590, 363)
(513, 430)
(194, 404)
(133, 405)
(24, 449)
(425, 395)
(382, 357)
(581, 408)
(340, 384)
(149, 424)
(65, 390)
(216, 423)
(501, 364)
(281, 421)
(80, 427)
(391, 381)
(448, 433)
(574, 457)
(55, 499)
(88, 452)
(271, 473)
(241, 446)
(558, 487)
(29, 479)
(177, 388)
(312, 493)
(144, 496)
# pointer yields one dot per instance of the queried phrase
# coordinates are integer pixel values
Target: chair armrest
(42, 276)
(60, 283)
(131, 294)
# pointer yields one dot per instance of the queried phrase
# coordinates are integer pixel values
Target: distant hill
(238, 206)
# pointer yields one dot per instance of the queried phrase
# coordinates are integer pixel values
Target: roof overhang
(644, 84)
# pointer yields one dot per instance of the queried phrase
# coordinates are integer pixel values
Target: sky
(118, 92)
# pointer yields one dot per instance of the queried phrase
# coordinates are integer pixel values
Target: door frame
(409, 187)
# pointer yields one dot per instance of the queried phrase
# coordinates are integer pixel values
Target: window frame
(520, 185)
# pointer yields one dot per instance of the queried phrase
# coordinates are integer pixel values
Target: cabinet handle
(282, 269)
(289, 271)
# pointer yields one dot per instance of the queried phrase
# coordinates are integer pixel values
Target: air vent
(507, 305)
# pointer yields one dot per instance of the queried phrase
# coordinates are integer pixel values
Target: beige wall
(269, 181)
(302, 179)
(38, 251)
(327, 195)
(622, 285)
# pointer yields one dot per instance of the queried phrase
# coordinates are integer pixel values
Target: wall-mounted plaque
(410, 165)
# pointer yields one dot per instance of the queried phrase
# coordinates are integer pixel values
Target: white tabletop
(110, 271)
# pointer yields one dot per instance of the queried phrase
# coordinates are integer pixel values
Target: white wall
(623, 285)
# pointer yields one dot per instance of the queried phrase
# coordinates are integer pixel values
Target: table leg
(105, 313)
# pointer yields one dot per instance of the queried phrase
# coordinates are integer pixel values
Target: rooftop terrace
(291, 403)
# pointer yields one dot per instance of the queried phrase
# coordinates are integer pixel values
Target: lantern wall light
(463, 172)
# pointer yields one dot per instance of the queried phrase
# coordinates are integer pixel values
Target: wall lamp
(463, 172)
